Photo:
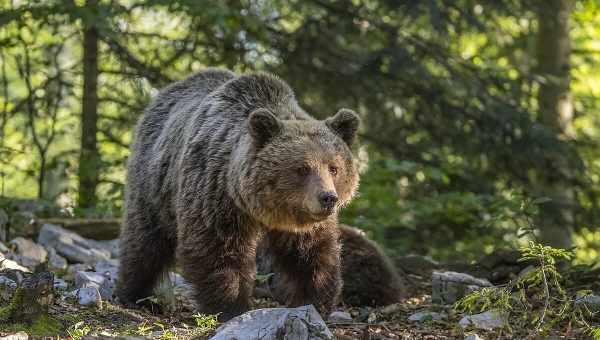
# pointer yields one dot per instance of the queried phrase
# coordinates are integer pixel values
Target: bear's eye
(303, 170)
(333, 170)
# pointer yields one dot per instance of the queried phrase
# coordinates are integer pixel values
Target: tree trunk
(89, 159)
(556, 113)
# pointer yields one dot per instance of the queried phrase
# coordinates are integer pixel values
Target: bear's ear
(344, 124)
(263, 126)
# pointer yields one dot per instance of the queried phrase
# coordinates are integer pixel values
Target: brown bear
(369, 277)
(219, 158)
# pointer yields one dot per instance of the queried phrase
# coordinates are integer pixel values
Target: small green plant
(78, 330)
(144, 329)
(205, 322)
(263, 278)
(166, 333)
(595, 333)
(537, 300)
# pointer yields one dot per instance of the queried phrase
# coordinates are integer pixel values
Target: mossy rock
(31, 299)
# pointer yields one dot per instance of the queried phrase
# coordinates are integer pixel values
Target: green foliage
(263, 278)
(595, 333)
(78, 330)
(205, 322)
(144, 329)
(166, 333)
(537, 300)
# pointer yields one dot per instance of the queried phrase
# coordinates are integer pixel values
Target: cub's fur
(369, 277)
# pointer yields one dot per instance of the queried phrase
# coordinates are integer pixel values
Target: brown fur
(217, 159)
(369, 277)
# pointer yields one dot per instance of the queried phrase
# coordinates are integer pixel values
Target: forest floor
(390, 322)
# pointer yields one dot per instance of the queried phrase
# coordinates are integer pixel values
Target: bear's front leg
(221, 265)
(309, 266)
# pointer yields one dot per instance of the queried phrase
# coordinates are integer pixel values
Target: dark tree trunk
(89, 159)
(555, 112)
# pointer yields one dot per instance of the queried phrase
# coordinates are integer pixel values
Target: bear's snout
(328, 200)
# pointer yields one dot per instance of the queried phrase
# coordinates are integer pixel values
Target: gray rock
(417, 264)
(487, 320)
(112, 246)
(424, 316)
(390, 309)
(276, 323)
(339, 316)
(108, 268)
(7, 288)
(60, 284)
(71, 245)
(88, 296)
(589, 302)
(16, 336)
(100, 282)
(372, 318)
(28, 253)
(55, 261)
(473, 337)
(448, 287)
(15, 275)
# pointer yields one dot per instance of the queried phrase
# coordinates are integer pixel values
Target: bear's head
(302, 171)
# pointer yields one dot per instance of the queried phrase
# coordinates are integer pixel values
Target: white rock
(448, 287)
(71, 245)
(96, 280)
(55, 261)
(276, 323)
(10, 264)
(16, 336)
(89, 296)
(29, 254)
(339, 316)
(487, 320)
(423, 316)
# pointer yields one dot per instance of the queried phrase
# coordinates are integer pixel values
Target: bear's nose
(328, 199)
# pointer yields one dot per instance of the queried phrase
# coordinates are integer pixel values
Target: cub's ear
(263, 126)
(345, 124)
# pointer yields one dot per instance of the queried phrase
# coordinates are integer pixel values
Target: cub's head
(300, 171)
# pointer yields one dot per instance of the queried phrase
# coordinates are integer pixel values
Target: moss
(43, 325)
(7, 312)
(46, 325)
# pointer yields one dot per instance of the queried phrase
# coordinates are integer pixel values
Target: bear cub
(219, 160)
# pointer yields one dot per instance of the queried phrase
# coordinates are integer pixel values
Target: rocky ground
(61, 284)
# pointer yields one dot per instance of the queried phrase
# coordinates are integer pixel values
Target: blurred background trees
(467, 105)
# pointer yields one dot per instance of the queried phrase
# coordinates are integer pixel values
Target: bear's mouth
(305, 216)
